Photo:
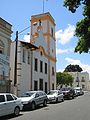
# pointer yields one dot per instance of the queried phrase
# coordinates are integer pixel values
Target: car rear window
(9, 98)
(51, 92)
(28, 94)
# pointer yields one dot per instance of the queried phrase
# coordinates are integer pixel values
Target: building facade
(20, 73)
(44, 59)
(36, 65)
(81, 79)
(5, 41)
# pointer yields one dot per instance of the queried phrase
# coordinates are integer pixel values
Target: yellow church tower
(43, 59)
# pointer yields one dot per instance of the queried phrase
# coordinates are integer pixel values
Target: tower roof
(43, 16)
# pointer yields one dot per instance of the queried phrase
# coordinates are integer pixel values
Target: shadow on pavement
(7, 117)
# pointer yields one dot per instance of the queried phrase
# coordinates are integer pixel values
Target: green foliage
(72, 5)
(83, 34)
(64, 78)
(73, 68)
(82, 27)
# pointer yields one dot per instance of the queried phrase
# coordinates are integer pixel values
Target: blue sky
(19, 12)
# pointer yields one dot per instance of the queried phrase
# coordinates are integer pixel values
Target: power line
(24, 30)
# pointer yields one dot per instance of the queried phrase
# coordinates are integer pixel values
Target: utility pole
(15, 68)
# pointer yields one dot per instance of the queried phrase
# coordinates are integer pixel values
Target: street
(76, 109)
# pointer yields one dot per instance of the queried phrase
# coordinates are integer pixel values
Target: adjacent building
(36, 60)
(20, 73)
(81, 79)
(5, 41)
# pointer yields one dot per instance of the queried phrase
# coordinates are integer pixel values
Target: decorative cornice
(6, 29)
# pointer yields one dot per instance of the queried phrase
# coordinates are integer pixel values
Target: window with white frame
(51, 31)
(45, 68)
(36, 64)
(1, 47)
(28, 57)
(24, 55)
(52, 70)
(41, 66)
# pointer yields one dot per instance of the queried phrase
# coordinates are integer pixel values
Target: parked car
(78, 91)
(31, 99)
(55, 96)
(9, 104)
(68, 92)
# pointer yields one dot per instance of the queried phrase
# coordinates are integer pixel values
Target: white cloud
(61, 51)
(27, 37)
(65, 36)
(60, 70)
(85, 67)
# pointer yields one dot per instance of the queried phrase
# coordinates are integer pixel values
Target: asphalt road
(76, 109)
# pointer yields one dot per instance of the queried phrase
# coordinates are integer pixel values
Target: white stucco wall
(23, 69)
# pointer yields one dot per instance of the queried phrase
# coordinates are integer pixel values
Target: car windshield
(28, 94)
(51, 92)
(65, 89)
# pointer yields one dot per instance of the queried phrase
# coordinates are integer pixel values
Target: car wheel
(73, 97)
(33, 106)
(56, 100)
(45, 103)
(63, 100)
(16, 111)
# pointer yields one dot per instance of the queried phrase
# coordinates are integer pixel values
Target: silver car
(55, 96)
(31, 99)
(9, 104)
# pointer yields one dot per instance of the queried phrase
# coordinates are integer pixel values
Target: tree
(73, 68)
(64, 79)
(82, 27)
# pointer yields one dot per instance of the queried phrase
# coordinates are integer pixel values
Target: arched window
(1, 47)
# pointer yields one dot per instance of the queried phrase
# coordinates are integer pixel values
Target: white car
(55, 96)
(10, 104)
(78, 91)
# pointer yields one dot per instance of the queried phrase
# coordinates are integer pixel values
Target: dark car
(68, 92)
